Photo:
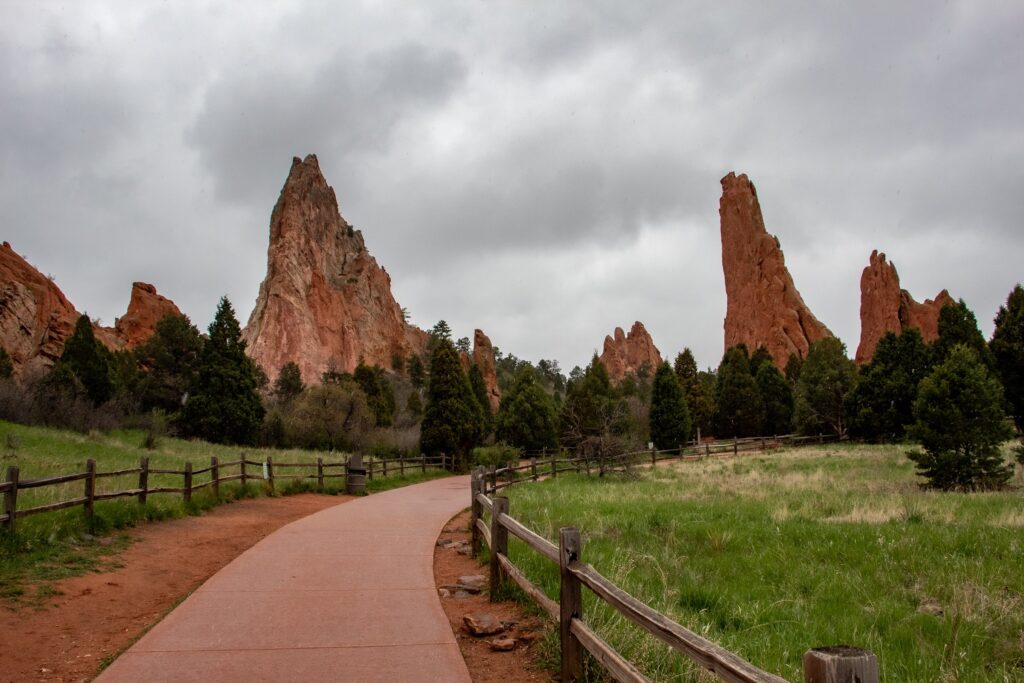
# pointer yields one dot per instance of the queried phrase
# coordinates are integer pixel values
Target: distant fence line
(265, 471)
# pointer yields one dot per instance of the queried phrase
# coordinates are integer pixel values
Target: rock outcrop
(145, 309)
(35, 316)
(764, 307)
(627, 353)
(885, 307)
(483, 356)
(325, 302)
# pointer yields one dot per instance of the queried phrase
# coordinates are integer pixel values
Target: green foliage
(224, 406)
(827, 381)
(332, 417)
(499, 455)
(462, 345)
(156, 429)
(669, 417)
(758, 358)
(526, 417)
(592, 407)
(379, 394)
(414, 404)
(452, 421)
(169, 364)
(777, 397)
(6, 364)
(417, 372)
(739, 408)
(961, 424)
(699, 387)
(89, 361)
(1007, 347)
(793, 366)
(289, 383)
(476, 382)
(1018, 452)
(882, 406)
(957, 325)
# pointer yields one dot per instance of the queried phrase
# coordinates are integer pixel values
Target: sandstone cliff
(764, 307)
(145, 309)
(325, 302)
(627, 353)
(885, 307)
(483, 356)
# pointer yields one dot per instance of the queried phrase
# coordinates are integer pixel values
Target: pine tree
(739, 409)
(89, 361)
(827, 380)
(526, 417)
(1007, 347)
(777, 397)
(452, 420)
(882, 406)
(670, 417)
(224, 406)
(758, 358)
(169, 363)
(957, 325)
(961, 424)
(289, 383)
(379, 394)
(476, 382)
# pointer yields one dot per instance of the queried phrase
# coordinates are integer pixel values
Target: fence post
(533, 468)
(90, 486)
(369, 469)
(840, 664)
(270, 473)
(707, 450)
(384, 467)
(215, 476)
(241, 463)
(654, 457)
(499, 543)
(143, 479)
(735, 445)
(320, 472)
(187, 488)
(401, 466)
(476, 511)
(11, 498)
(494, 478)
(423, 462)
(554, 468)
(570, 603)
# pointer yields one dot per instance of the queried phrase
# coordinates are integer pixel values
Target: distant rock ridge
(885, 307)
(325, 302)
(627, 353)
(483, 357)
(764, 307)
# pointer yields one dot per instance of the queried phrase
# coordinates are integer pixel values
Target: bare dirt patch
(486, 665)
(93, 617)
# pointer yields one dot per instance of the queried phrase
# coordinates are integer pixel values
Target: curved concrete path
(346, 594)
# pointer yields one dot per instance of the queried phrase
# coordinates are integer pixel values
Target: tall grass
(771, 555)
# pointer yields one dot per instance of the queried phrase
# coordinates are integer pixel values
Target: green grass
(771, 555)
(52, 545)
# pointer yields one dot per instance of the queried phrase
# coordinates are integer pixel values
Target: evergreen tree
(739, 409)
(883, 404)
(169, 362)
(793, 366)
(6, 364)
(332, 416)
(758, 358)
(417, 373)
(957, 325)
(379, 394)
(224, 406)
(526, 417)
(592, 408)
(89, 361)
(827, 380)
(462, 345)
(289, 383)
(476, 382)
(699, 389)
(670, 417)
(1007, 347)
(777, 396)
(452, 419)
(961, 424)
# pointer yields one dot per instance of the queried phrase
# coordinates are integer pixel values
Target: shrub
(499, 455)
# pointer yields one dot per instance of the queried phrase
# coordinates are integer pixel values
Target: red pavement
(346, 594)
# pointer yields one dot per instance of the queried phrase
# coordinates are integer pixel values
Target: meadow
(770, 555)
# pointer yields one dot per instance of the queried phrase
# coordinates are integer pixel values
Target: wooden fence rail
(821, 665)
(10, 513)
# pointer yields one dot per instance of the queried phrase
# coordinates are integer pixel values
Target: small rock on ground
(482, 624)
(503, 645)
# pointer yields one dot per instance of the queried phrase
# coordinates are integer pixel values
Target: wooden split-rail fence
(838, 664)
(267, 471)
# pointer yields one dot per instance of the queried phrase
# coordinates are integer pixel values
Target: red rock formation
(145, 310)
(764, 307)
(627, 353)
(325, 302)
(35, 316)
(884, 307)
(483, 356)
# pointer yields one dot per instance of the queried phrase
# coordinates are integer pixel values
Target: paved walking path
(346, 594)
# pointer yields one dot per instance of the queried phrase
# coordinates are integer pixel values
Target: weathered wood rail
(821, 665)
(267, 471)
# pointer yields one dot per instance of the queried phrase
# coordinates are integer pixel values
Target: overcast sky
(545, 171)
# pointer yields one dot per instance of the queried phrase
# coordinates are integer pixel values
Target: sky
(545, 171)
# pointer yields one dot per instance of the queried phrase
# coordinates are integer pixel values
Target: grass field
(52, 545)
(770, 555)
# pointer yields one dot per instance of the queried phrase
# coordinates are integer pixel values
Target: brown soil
(95, 616)
(486, 665)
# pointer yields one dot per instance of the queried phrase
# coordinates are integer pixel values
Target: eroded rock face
(764, 307)
(885, 307)
(35, 316)
(145, 309)
(627, 353)
(483, 356)
(325, 302)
